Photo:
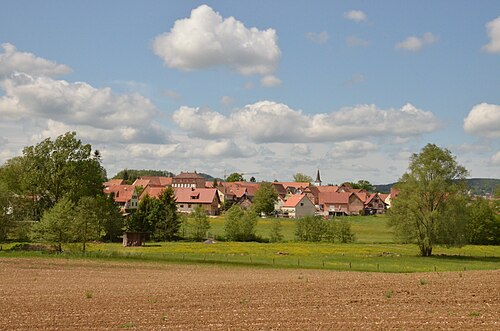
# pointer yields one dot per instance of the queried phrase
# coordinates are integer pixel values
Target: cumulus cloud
(12, 61)
(79, 105)
(354, 41)
(352, 149)
(493, 30)
(318, 38)
(301, 149)
(355, 15)
(483, 120)
(495, 159)
(270, 81)
(267, 121)
(205, 39)
(415, 44)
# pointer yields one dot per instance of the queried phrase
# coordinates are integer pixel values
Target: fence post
(350, 265)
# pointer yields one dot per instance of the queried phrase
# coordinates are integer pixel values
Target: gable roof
(295, 185)
(329, 188)
(195, 195)
(113, 182)
(122, 193)
(334, 197)
(190, 175)
(294, 200)
(152, 191)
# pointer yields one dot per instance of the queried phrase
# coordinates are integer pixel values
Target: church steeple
(318, 179)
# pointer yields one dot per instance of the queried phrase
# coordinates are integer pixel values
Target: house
(125, 196)
(294, 187)
(374, 205)
(340, 203)
(153, 181)
(187, 199)
(312, 192)
(394, 193)
(188, 179)
(240, 193)
(297, 206)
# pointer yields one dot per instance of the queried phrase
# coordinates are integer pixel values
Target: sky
(263, 88)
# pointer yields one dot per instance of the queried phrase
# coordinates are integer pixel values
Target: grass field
(368, 229)
(374, 250)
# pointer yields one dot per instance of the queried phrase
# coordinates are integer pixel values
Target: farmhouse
(297, 206)
(340, 203)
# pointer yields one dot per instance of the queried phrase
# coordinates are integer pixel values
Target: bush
(239, 225)
(310, 228)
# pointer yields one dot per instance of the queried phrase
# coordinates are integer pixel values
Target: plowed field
(53, 294)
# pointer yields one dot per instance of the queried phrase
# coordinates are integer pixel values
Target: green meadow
(374, 251)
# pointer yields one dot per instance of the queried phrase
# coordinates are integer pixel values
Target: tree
(363, 185)
(300, 177)
(235, 177)
(198, 224)
(159, 217)
(310, 228)
(276, 234)
(168, 225)
(264, 199)
(57, 224)
(430, 208)
(252, 179)
(6, 222)
(239, 225)
(483, 226)
(63, 167)
(85, 226)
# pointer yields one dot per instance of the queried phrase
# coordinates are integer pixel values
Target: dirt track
(96, 295)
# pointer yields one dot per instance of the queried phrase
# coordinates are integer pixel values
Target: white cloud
(205, 40)
(12, 61)
(266, 121)
(301, 149)
(80, 105)
(270, 81)
(355, 15)
(415, 44)
(318, 38)
(356, 41)
(473, 148)
(352, 149)
(226, 100)
(493, 29)
(495, 159)
(483, 120)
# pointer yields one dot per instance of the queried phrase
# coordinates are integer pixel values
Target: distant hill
(478, 186)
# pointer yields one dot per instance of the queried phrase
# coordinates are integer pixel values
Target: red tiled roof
(293, 200)
(296, 185)
(152, 191)
(383, 196)
(197, 195)
(113, 182)
(333, 188)
(123, 193)
(334, 197)
(190, 175)
(141, 182)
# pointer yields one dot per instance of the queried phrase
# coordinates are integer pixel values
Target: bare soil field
(56, 294)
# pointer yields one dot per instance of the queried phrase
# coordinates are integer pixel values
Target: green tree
(235, 177)
(198, 224)
(145, 218)
(85, 226)
(252, 179)
(57, 224)
(430, 208)
(301, 178)
(6, 221)
(276, 234)
(310, 228)
(363, 184)
(168, 225)
(264, 199)
(484, 225)
(63, 167)
(239, 225)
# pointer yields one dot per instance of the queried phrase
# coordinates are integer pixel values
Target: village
(294, 199)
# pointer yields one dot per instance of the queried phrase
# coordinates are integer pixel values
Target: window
(189, 206)
(182, 206)
(301, 204)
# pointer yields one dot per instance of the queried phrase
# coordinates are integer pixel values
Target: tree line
(53, 193)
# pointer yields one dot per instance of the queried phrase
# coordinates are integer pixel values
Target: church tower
(318, 179)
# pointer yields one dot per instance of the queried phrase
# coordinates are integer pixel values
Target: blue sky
(268, 87)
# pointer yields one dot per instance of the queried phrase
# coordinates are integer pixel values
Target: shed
(134, 238)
